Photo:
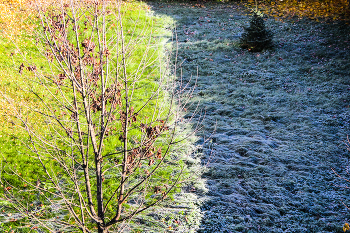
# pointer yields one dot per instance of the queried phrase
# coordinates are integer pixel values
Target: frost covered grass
(279, 119)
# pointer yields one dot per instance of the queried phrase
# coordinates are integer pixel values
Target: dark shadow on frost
(267, 170)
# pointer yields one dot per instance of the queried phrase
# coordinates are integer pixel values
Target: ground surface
(278, 118)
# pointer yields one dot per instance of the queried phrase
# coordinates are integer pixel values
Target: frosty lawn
(279, 119)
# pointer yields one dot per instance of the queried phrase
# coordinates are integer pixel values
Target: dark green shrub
(256, 37)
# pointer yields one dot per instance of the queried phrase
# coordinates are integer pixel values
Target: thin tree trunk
(102, 229)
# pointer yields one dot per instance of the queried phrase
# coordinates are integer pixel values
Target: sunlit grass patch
(18, 56)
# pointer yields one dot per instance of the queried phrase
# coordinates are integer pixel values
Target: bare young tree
(103, 133)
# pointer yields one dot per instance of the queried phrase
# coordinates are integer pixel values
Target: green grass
(13, 86)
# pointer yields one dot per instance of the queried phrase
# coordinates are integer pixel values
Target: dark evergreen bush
(256, 37)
